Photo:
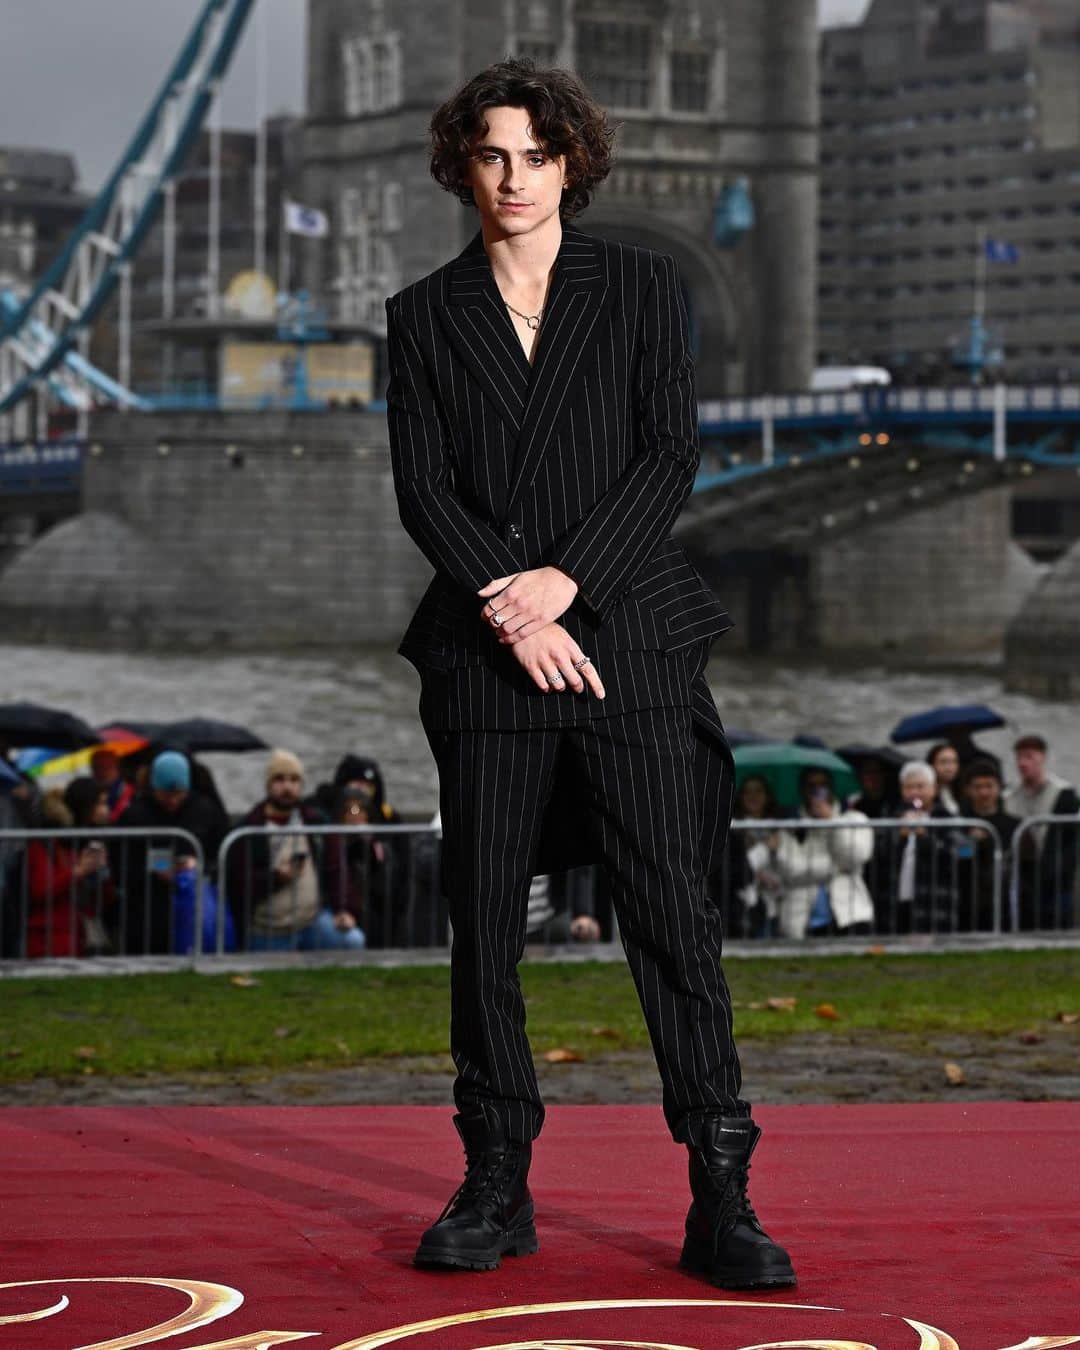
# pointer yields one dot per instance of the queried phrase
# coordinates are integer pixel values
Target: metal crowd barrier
(132, 904)
(385, 877)
(1044, 877)
(958, 881)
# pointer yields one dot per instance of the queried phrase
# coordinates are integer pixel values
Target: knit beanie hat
(170, 772)
(281, 762)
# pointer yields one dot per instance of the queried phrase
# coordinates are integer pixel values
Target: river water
(324, 705)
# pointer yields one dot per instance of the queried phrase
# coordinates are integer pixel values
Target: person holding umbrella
(820, 870)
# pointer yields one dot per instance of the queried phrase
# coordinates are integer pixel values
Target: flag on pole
(306, 220)
(997, 250)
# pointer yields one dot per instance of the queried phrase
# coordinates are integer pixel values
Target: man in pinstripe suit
(543, 436)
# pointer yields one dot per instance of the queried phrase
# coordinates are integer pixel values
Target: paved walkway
(586, 951)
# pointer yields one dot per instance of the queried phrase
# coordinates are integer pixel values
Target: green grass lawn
(184, 1023)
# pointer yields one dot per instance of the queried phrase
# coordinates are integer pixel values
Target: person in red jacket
(62, 880)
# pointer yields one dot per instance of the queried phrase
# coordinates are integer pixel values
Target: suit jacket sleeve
(606, 549)
(453, 539)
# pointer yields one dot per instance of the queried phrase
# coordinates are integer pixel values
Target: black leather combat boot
(490, 1215)
(724, 1237)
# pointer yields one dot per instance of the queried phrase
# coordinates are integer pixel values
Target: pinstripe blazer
(582, 459)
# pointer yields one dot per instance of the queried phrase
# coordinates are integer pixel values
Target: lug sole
(520, 1242)
(700, 1261)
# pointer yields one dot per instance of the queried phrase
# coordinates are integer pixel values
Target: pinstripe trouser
(639, 770)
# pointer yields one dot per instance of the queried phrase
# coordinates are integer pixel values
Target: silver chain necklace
(533, 320)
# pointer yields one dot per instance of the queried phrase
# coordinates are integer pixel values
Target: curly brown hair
(565, 120)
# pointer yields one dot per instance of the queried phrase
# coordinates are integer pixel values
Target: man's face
(105, 768)
(170, 799)
(508, 165)
(984, 793)
(753, 797)
(946, 765)
(918, 790)
(1031, 766)
(285, 790)
(872, 778)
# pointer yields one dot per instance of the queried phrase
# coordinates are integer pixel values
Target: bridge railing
(41, 466)
(878, 403)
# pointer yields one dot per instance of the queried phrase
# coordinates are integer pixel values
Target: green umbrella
(782, 765)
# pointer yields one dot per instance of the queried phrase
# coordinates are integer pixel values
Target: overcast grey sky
(77, 74)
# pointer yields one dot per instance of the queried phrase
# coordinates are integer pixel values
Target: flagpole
(261, 103)
(283, 247)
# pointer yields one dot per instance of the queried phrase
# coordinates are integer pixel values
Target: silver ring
(554, 679)
(495, 618)
(585, 660)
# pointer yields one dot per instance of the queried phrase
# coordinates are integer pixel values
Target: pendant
(533, 320)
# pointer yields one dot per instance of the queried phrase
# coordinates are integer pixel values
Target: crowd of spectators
(290, 883)
(922, 874)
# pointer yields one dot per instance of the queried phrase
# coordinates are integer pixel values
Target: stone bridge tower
(706, 93)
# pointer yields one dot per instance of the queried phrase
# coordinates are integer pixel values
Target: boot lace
(481, 1180)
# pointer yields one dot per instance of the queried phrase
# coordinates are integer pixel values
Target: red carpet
(292, 1220)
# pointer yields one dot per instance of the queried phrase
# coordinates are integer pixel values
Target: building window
(689, 90)
(356, 56)
(615, 60)
(372, 68)
(393, 207)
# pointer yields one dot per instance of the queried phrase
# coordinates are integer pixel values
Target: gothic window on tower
(689, 91)
(615, 59)
(356, 57)
(372, 69)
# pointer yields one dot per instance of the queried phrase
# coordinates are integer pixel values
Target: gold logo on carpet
(209, 1302)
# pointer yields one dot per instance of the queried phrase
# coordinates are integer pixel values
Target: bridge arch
(717, 311)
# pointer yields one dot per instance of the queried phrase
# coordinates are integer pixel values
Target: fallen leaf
(954, 1074)
(85, 1051)
(243, 981)
(756, 1007)
(342, 1046)
(1030, 1037)
(781, 1004)
(877, 950)
(13, 1053)
(561, 1056)
(1068, 1019)
(828, 1011)
(609, 1032)
(282, 1032)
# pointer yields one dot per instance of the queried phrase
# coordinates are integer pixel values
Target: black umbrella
(23, 724)
(857, 751)
(201, 735)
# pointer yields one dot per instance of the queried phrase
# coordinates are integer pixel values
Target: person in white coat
(821, 870)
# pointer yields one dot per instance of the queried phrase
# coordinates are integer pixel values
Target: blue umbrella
(8, 777)
(948, 718)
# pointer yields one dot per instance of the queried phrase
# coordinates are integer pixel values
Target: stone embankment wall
(225, 530)
(281, 531)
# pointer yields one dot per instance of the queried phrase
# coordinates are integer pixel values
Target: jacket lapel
(528, 398)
